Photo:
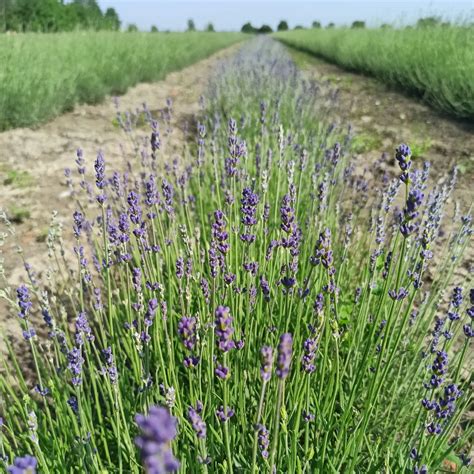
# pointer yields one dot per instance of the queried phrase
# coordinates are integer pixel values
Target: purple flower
(266, 357)
(224, 413)
(78, 218)
(187, 328)
(263, 440)
(24, 465)
(284, 355)
(310, 347)
(180, 267)
(265, 287)
(410, 212)
(420, 470)
(75, 362)
(249, 204)
(111, 369)
(28, 334)
(198, 424)
(222, 372)
(398, 296)
(224, 329)
(403, 156)
(24, 303)
(99, 167)
(83, 329)
(219, 233)
(158, 429)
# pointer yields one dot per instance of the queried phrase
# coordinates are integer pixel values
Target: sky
(232, 14)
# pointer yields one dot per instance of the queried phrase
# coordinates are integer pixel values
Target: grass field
(436, 63)
(43, 75)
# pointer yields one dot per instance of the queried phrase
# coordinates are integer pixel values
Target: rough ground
(383, 118)
(32, 161)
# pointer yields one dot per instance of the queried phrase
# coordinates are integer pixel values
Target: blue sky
(232, 14)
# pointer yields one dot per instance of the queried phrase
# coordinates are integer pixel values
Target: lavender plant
(248, 308)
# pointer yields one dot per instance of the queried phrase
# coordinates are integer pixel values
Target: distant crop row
(435, 63)
(42, 76)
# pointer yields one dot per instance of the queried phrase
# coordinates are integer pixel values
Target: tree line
(55, 15)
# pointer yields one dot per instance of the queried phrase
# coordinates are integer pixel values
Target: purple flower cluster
(263, 440)
(111, 368)
(83, 329)
(224, 414)
(468, 328)
(198, 424)
(187, 329)
(249, 203)
(310, 347)
(219, 233)
(285, 349)
(75, 362)
(99, 167)
(410, 212)
(158, 429)
(403, 157)
(224, 329)
(24, 302)
(323, 255)
(266, 357)
(23, 465)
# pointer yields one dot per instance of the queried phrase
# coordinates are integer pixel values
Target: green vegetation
(436, 63)
(55, 15)
(44, 75)
(18, 179)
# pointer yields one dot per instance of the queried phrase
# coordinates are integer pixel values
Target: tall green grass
(43, 75)
(435, 63)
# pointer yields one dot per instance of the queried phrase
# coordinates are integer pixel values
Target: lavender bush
(258, 305)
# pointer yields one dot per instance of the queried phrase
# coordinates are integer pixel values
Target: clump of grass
(19, 214)
(250, 308)
(436, 63)
(18, 179)
(364, 142)
(44, 75)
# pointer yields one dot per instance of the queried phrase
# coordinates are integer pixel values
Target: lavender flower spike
(199, 425)
(158, 429)
(284, 355)
(24, 465)
(224, 329)
(266, 363)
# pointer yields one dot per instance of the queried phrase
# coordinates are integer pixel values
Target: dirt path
(32, 161)
(383, 118)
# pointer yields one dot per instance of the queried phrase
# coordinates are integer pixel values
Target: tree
(330, 25)
(132, 28)
(191, 25)
(55, 15)
(316, 24)
(210, 28)
(111, 19)
(358, 24)
(265, 29)
(428, 22)
(248, 28)
(298, 27)
(282, 26)
(154, 29)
